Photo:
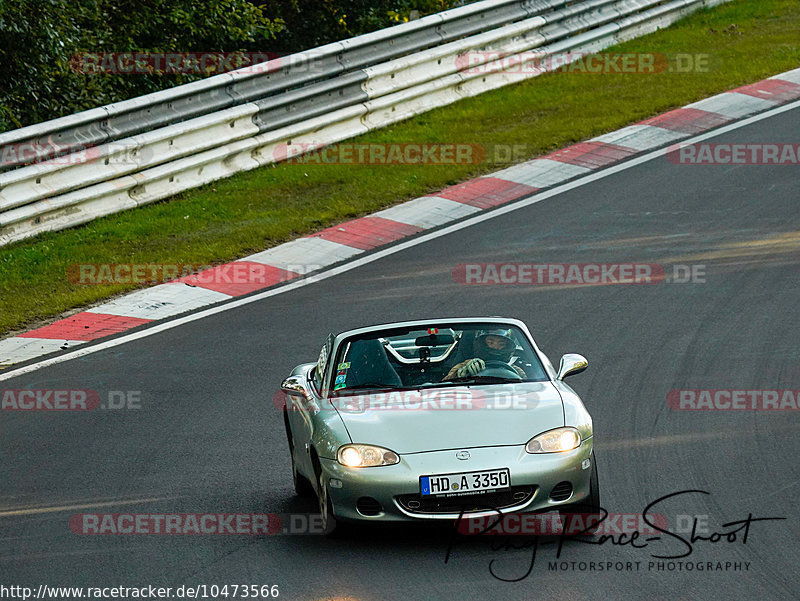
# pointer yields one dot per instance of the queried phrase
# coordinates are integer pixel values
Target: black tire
(302, 486)
(330, 527)
(578, 518)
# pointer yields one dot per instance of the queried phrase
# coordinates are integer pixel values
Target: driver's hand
(471, 368)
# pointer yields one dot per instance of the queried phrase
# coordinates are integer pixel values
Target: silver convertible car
(436, 420)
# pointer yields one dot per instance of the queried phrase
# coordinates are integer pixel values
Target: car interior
(416, 358)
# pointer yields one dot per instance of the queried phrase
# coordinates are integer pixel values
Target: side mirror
(571, 364)
(296, 385)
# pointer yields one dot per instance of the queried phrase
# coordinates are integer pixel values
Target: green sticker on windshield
(338, 386)
(344, 366)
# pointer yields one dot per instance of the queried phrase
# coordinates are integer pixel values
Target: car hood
(414, 421)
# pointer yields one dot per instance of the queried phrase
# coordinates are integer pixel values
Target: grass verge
(744, 41)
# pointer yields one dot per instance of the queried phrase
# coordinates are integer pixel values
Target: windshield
(438, 356)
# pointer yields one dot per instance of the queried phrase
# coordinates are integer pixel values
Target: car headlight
(366, 455)
(554, 441)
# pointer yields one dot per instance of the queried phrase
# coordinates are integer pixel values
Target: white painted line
(17, 350)
(421, 239)
(160, 302)
(732, 104)
(792, 76)
(641, 137)
(541, 173)
(304, 251)
(427, 212)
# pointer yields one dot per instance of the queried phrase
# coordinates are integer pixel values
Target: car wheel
(302, 486)
(579, 517)
(329, 525)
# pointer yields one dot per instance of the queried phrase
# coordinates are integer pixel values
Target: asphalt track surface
(208, 438)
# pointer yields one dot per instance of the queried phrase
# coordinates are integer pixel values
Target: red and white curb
(347, 240)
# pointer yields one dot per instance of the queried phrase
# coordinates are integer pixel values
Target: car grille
(561, 491)
(516, 495)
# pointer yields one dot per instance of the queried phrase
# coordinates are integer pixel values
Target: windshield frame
(404, 328)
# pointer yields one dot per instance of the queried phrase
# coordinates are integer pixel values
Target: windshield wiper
(483, 380)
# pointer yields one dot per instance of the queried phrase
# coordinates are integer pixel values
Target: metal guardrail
(148, 148)
(130, 117)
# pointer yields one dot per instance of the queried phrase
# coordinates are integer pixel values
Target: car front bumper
(386, 485)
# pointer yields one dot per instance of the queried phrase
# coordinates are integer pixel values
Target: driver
(489, 345)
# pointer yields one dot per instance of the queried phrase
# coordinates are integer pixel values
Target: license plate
(464, 482)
